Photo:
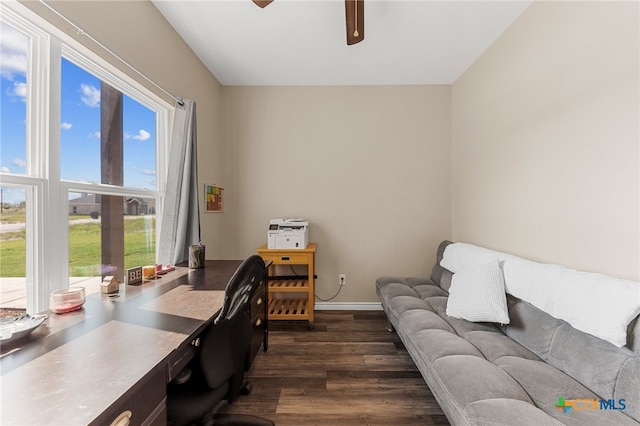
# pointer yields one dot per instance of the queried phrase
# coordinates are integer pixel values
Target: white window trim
(47, 246)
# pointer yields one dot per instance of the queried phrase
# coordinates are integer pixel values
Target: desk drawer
(181, 357)
(258, 302)
(258, 325)
(288, 259)
(145, 402)
(258, 322)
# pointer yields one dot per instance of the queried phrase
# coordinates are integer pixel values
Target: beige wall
(545, 139)
(368, 166)
(534, 150)
(138, 33)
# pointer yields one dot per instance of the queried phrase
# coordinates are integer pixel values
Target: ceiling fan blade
(262, 3)
(354, 13)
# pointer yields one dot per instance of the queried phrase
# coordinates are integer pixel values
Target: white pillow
(594, 303)
(477, 294)
(460, 256)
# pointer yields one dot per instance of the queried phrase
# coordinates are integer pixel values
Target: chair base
(246, 388)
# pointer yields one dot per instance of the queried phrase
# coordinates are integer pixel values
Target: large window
(82, 155)
(108, 138)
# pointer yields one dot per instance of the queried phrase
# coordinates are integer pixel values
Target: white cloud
(12, 39)
(19, 162)
(95, 135)
(4, 169)
(19, 90)
(90, 95)
(13, 52)
(66, 126)
(148, 172)
(13, 64)
(142, 135)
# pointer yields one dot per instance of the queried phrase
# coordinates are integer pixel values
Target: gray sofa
(536, 370)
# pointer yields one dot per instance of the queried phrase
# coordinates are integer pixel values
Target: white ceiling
(303, 42)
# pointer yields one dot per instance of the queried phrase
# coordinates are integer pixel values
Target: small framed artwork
(213, 195)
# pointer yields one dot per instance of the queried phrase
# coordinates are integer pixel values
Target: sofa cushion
(414, 320)
(400, 304)
(537, 378)
(545, 384)
(410, 282)
(437, 270)
(445, 280)
(633, 333)
(427, 291)
(435, 344)
(470, 378)
(502, 411)
(627, 386)
(463, 327)
(608, 371)
(477, 294)
(531, 327)
(439, 305)
(496, 345)
(589, 360)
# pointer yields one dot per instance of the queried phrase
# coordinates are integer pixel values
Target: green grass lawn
(12, 256)
(85, 248)
(12, 214)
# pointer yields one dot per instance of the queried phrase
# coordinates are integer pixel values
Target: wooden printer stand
(290, 297)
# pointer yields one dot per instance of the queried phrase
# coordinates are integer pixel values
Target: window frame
(47, 220)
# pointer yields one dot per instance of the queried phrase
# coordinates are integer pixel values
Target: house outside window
(82, 163)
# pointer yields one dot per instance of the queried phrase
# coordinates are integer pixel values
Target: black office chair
(216, 374)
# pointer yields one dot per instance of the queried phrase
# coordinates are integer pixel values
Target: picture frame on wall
(213, 198)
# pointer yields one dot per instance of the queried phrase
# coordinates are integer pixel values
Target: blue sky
(79, 126)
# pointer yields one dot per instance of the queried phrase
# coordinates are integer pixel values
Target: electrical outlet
(342, 279)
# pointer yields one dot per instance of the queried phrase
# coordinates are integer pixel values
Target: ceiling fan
(354, 15)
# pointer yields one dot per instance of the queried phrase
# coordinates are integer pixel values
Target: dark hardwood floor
(349, 370)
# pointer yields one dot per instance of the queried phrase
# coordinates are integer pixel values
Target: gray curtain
(180, 226)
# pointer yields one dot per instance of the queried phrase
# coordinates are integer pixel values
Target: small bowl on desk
(67, 299)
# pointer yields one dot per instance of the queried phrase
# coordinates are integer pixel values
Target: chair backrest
(226, 342)
(241, 287)
(217, 354)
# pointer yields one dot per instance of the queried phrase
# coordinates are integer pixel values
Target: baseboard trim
(348, 306)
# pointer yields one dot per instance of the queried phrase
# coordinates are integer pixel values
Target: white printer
(288, 234)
